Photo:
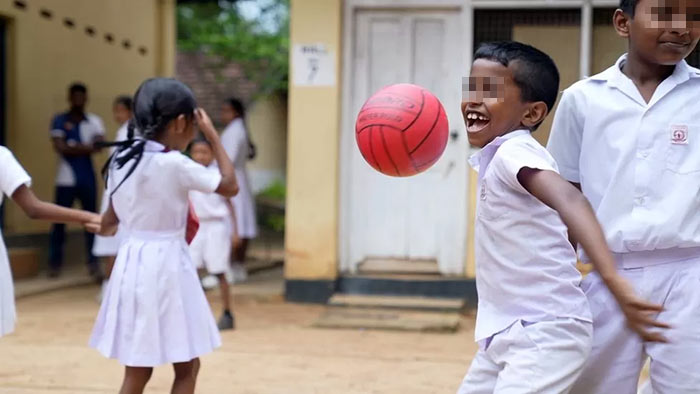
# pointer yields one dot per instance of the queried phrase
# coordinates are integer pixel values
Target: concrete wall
(44, 57)
(267, 120)
(313, 150)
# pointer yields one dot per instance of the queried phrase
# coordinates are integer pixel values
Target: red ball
(402, 130)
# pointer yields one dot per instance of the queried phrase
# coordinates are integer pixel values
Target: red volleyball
(402, 130)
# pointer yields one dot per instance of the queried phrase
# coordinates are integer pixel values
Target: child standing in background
(154, 311)
(240, 150)
(211, 247)
(106, 247)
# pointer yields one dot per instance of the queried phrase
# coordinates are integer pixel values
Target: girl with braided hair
(154, 310)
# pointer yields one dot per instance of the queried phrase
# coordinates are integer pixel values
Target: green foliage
(276, 191)
(260, 45)
(271, 217)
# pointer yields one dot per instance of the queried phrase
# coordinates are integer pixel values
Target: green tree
(259, 44)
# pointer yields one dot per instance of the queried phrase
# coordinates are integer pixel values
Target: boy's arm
(577, 214)
(37, 209)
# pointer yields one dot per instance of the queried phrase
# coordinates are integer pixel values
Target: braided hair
(156, 102)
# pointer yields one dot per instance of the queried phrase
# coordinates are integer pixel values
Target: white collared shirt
(525, 265)
(638, 163)
(210, 206)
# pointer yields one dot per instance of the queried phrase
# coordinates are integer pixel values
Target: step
(383, 319)
(398, 302)
(430, 286)
(399, 266)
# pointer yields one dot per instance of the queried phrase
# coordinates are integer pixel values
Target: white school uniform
(12, 176)
(235, 142)
(108, 246)
(211, 247)
(154, 311)
(638, 164)
(533, 322)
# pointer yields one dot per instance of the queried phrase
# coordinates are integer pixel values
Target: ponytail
(156, 102)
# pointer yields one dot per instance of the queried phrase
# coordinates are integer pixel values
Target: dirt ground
(274, 350)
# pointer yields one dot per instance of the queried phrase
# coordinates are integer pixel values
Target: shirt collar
(153, 146)
(481, 159)
(615, 76)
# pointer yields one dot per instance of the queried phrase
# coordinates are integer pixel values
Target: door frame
(347, 124)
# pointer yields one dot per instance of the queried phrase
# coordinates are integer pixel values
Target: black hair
(238, 106)
(125, 101)
(629, 6)
(77, 87)
(534, 72)
(199, 140)
(156, 102)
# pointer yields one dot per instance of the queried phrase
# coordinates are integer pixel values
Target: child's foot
(54, 273)
(227, 321)
(240, 274)
(209, 282)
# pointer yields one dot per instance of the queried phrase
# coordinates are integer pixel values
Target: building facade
(341, 213)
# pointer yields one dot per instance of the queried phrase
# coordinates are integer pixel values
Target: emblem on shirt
(482, 194)
(679, 135)
(68, 126)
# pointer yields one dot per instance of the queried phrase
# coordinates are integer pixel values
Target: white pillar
(586, 38)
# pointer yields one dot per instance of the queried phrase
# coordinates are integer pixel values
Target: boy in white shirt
(629, 138)
(211, 247)
(533, 323)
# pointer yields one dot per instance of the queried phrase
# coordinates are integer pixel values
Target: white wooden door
(421, 217)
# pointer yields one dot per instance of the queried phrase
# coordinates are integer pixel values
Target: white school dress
(12, 176)
(533, 323)
(235, 142)
(211, 247)
(154, 311)
(108, 246)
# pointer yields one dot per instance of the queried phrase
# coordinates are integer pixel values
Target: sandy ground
(274, 350)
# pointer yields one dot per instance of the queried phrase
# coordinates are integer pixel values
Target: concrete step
(412, 285)
(383, 319)
(399, 266)
(398, 302)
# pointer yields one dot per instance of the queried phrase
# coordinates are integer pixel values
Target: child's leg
(617, 356)
(240, 252)
(674, 365)
(225, 292)
(544, 357)
(185, 377)
(482, 375)
(135, 379)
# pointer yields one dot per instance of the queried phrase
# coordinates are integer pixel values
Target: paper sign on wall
(313, 65)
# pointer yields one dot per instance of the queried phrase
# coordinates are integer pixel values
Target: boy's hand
(637, 311)
(205, 125)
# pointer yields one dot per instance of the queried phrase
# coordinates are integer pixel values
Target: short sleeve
(12, 175)
(99, 126)
(194, 176)
(512, 158)
(565, 139)
(57, 127)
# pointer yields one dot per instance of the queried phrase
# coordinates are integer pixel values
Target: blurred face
(201, 153)
(121, 113)
(77, 100)
(228, 114)
(493, 104)
(662, 32)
